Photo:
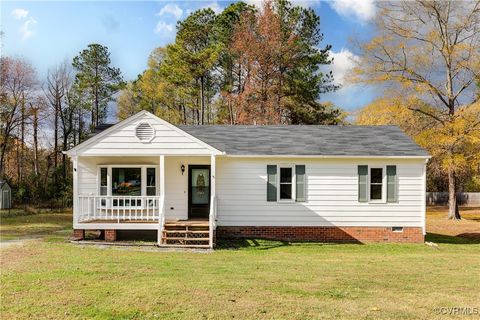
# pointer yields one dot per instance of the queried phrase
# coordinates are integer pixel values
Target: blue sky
(46, 33)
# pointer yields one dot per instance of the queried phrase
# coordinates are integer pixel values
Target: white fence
(468, 199)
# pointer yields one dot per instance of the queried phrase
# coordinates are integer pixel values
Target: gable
(142, 134)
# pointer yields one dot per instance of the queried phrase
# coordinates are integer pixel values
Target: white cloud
(164, 28)
(171, 9)
(349, 96)
(214, 6)
(343, 62)
(305, 3)
(27, 28)
(19, 13)
(363, 10)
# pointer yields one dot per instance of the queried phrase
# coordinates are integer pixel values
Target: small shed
(5, 195)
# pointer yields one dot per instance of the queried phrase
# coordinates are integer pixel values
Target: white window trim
(143, 169)
(384, 181)
(294, 183)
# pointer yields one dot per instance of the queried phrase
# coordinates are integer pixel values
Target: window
(151, 185)
(286, 183)
(397, 229)
(126, 181)
(376, 183)
(103, 181)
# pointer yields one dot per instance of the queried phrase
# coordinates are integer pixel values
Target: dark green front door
(198, 191)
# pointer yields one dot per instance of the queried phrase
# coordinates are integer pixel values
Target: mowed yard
(48, 277)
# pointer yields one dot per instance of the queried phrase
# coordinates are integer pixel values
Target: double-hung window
(286, 183)
(376, 184)
(286, 178)
(103, 181)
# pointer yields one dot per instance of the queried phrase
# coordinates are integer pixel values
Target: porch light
(182, 167)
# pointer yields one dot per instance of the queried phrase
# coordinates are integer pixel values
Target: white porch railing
(212, 219)
(119, 208)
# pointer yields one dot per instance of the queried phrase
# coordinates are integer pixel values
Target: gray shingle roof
(308, 140)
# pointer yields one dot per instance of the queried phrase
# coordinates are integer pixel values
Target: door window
(200, 186)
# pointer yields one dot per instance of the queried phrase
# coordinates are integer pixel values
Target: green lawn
(17, 224)
(260, 280)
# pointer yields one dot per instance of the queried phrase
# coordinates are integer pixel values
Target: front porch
(135, 193)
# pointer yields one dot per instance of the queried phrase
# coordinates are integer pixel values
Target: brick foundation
(78, 234)
(110, 235)
(324, 234)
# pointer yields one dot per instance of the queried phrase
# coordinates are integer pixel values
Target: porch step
(187, 239)
(205, 246)
(186, 224)
(185, 231)
(185, 234)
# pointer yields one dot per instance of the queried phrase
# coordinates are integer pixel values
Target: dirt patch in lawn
(468, 227)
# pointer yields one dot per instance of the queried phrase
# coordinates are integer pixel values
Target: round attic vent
(144, 132)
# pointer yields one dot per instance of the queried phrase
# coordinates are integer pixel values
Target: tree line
(41, 119)
(241, 66)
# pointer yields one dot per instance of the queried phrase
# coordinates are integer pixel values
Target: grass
(17, 224)
(259, 280)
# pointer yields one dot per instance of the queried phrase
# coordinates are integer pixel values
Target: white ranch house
(193, 184)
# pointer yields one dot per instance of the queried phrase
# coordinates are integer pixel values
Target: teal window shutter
(271, 183)
(300, 182)
(391, 183)
(362, 183)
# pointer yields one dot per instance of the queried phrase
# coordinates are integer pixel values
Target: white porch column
(213, 215)
(212, 173)
(161, 220)
(75, 190)
(162, 175)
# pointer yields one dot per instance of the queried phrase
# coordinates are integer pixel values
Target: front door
(198, 191)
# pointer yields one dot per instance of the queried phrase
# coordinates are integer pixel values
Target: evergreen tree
(97, 80)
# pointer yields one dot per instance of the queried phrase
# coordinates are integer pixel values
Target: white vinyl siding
(331, 194)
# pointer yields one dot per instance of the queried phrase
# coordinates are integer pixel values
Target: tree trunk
(453, 212)
(22, 147)
(35, 141)
(55, 138)
(3, 149)
(202, 100)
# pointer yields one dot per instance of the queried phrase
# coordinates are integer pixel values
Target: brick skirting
(324, 234)
(110, 235)
(78, 234)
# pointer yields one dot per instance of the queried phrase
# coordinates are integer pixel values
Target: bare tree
(430, 49)
(17, 82)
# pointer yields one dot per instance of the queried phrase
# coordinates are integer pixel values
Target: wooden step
(185, 231)
(186, 239)
(187, 224)
(205, 246)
